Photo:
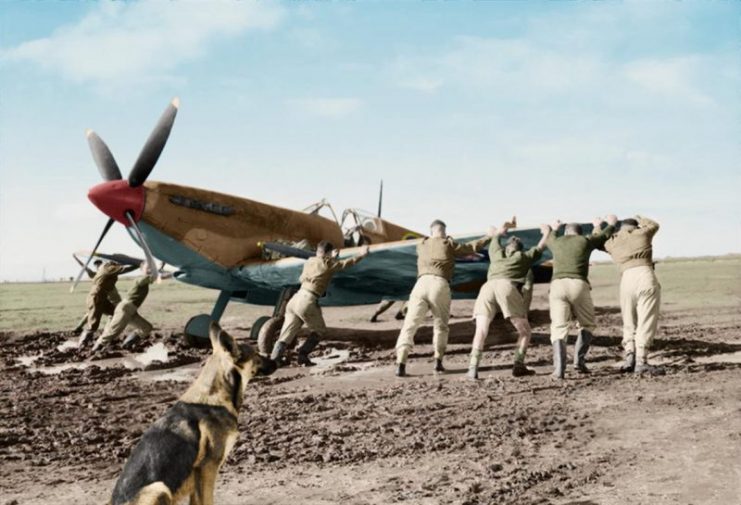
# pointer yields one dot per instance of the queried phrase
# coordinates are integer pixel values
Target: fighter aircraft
(254, 252)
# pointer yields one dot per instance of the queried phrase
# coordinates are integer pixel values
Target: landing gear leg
(196, 329)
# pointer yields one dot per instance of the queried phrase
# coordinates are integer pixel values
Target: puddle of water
(731, 357)
(156, 352)
(728, 357)
(28, 360)
(185, 373)
(72, 343)
(337, 357)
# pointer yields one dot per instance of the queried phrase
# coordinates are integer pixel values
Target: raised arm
(473, 246)
(554, 226)
(348, 262)
(495, 248)
(545, 232)
(600, 236)
(88, 271)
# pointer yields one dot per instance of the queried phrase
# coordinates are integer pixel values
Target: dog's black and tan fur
(180, 455)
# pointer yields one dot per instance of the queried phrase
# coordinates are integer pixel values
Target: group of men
(104, 299)
(507, 290)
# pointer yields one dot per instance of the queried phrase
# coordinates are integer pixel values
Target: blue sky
(469, 111)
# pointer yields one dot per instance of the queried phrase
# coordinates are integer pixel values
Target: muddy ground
(348, 431)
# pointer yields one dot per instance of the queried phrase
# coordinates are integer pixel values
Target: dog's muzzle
(267, 366)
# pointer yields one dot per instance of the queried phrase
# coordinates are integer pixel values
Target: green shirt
(513, 267)
(571, 253)
(139, 290)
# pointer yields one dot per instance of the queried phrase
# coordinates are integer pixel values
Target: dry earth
(348, 431)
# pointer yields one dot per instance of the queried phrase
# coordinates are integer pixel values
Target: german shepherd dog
(181, 453)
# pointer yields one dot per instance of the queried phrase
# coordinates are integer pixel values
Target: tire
(256, 326)
(268, 334)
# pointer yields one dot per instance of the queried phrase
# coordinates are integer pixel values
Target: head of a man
(438, 229)
(324, 248)
(514, 244)
(97, 263)
(629, 224)
(572, 229)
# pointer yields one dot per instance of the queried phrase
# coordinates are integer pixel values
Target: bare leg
(477, 347)
(523, 330)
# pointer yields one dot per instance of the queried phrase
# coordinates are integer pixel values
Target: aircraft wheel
(268, 334)
(257, 326)
(196, 331)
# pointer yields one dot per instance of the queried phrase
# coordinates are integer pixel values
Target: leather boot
(303, 352)
(130, 340)
(277, 355)
(629, 362)
(85, 338)
(583, 340)
(98, 346)
(520, 370)
(559, 359)
(643, 368)
(439, 365)
(401, 370)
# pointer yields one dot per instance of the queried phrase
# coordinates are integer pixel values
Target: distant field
(693, 283)
(35, 306)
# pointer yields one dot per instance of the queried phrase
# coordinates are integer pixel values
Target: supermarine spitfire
(253, 252)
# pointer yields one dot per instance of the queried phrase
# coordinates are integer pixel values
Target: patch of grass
(35, 306)
(686, 284)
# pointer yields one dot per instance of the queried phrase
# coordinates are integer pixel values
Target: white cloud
(672, 77)
(507, 65)
(328, 107)
(120, 43)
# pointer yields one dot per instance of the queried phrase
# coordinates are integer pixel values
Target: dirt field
(348, 431)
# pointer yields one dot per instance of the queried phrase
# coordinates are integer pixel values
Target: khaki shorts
(500, 295)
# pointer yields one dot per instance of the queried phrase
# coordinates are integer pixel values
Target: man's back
(630, 248)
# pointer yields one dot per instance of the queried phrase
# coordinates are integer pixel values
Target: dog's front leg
(204, 482)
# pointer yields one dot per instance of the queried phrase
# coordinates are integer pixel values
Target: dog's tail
(157, 493)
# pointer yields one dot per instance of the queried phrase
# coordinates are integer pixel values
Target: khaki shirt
(139, 290)
(106, 277)
(319, 271)
(436, 256)
(633, 248)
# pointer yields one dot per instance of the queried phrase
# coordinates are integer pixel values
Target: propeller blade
(103, 157)
(153, 272)
(79, 276)
(152, 149)
(380, 199)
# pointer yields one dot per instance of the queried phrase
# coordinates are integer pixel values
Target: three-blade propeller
(143, 166)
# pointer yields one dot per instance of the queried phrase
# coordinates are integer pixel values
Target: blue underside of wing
(388, 273)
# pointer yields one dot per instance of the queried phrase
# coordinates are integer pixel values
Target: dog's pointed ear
(222, 340)
(213, 334)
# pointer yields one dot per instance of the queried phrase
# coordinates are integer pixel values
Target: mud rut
(435, 439)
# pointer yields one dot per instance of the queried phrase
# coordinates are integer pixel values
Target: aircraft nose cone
(115, 198)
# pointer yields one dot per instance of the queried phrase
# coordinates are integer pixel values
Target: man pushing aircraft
(304, 306)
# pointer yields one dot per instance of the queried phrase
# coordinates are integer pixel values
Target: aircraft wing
(389, 272)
